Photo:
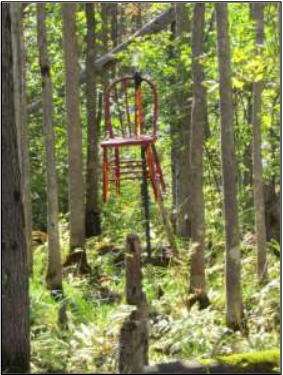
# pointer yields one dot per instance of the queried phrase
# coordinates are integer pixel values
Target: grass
(90, 345)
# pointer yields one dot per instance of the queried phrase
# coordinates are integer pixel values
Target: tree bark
(21, 119)
(54, 270)
(114, 33)
(197, 265)
(121, 22)
(15, 301)
(92, 177)
(181, 140)
(105, 73)
(234, 308)
(139, 16)
(76, 193)
(114, 24)
(173, 130)
(247, 176)
(260, 228)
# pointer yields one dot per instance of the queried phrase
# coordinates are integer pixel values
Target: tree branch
(153, 26)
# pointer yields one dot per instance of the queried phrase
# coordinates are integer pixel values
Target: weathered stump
(133, 342)
(134, 295)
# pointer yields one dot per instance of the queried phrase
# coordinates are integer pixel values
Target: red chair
(131, 110)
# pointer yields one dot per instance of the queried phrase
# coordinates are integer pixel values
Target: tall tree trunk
(197, 266)
(173, 129)
(234, 308)
(279, 21)
(121, 22)
(105, 40)
(258, 15)
(54, 270)
(113, 10)
(21, 118)
(139, 16)
(182, 135)
(92, 177)
(76, 192)
(114, 24)
(15, 302)
(247, 176)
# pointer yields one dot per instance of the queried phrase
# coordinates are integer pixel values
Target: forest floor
(96, 309)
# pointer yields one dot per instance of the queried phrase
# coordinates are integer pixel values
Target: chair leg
(150, 163)
(105, 176)
(158, 168)
(117, 171)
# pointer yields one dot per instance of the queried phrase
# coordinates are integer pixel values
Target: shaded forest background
(217, 70)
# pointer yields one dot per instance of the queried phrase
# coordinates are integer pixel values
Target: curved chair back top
(131, 107)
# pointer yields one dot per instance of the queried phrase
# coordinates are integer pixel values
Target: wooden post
(156, 185)
(133, 341)
(166, 223)
(134, 294)
(145, 200)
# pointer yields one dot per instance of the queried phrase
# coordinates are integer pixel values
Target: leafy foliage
(95, 317)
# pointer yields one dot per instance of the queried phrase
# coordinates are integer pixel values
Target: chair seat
(129, 141)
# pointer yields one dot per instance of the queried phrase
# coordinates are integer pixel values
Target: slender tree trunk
(114, 24)
(76, 192)
(279, 21)
(105, 40)
(121, 23)
(247, 178)
(139, 16)
(15, 302)
(113, 10)
(173, 130)
(21, 119)
(197, 266)
(234, 308)
(258, 15)
(182, 135)
(92, 178)
(54, 270)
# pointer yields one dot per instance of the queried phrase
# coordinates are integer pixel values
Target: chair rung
(113, 161)
(126, 178)
(130, 172)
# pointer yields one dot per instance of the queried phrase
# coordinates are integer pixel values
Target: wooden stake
(134, 294)
(166, 222)
(145, 199)
(133, 341)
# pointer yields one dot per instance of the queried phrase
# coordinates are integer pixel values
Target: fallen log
(265, 362)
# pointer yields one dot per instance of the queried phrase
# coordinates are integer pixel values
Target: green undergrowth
(96, 309)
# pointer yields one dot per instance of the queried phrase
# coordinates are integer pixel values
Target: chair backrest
(131, 107)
